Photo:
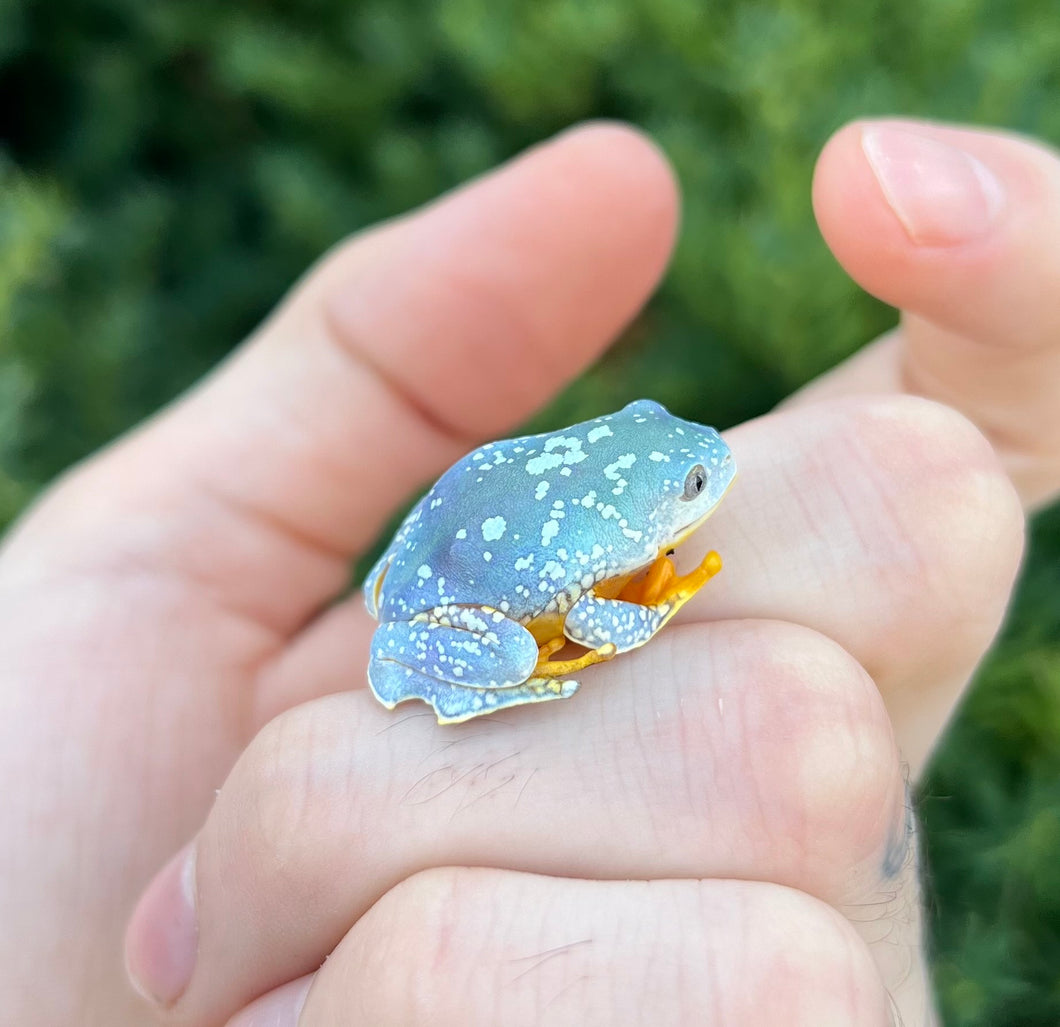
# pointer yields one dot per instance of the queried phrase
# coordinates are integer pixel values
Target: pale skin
(715, 828)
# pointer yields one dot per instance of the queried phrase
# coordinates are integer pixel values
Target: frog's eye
(696, 482)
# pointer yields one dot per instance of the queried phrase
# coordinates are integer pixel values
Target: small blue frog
(530, 543)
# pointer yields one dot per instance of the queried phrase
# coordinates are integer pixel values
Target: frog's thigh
(464, 661)
(595, 622)
(473, 646)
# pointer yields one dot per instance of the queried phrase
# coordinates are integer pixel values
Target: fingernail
(942, 195)
(279, 1008)
(163, 936)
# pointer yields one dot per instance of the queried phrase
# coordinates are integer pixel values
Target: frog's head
(691, 469)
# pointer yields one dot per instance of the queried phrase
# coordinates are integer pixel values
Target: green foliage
(991, 810)
(166, 170)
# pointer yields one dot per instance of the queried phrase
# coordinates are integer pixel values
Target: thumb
(956, 227)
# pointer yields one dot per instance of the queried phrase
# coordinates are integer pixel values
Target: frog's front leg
(463, 660)
(640, 611)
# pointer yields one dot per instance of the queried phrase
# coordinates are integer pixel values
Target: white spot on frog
(600, 432)
(424, 572)
(543, 462)
(542, 489)
(493, 528)
(462, 533)
(550, 458)
(573, 446)
(624, 462)
(549, 530)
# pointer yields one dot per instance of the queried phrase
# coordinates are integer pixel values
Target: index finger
(956, 227)
(398, 352)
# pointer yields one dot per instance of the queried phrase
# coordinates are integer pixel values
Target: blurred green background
(166, 170)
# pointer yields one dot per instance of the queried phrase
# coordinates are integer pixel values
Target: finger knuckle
(814, 967)
(834, 781)
(415, 939)
(293, 787)
(957, 519)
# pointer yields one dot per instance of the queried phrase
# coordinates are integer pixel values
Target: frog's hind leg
(453, 704)
(626, 623)
(463, 660)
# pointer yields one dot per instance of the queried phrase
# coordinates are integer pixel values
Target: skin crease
(180, 602)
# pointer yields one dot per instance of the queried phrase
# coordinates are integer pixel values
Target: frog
(533, 544)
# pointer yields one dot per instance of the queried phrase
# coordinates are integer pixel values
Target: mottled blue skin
(527, 527)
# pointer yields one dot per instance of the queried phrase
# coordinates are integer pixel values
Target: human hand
(182, 569)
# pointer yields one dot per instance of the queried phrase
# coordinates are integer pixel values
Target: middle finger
(753, 750)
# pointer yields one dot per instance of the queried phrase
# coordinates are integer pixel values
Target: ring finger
(472, 946)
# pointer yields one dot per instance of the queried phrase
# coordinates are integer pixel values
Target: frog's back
(490, 533)
(525, 523)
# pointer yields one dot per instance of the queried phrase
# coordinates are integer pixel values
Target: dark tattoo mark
(901, 848)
